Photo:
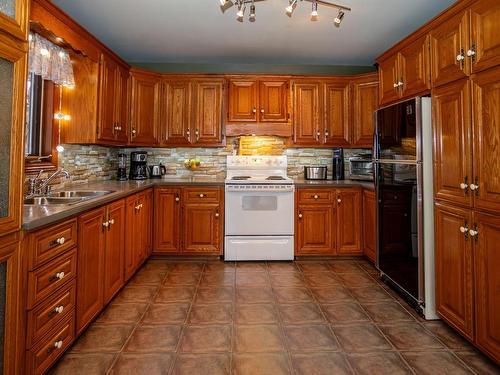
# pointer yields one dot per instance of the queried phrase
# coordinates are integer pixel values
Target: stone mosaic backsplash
(94, 163)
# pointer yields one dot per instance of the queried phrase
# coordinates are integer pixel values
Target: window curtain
(50, 61)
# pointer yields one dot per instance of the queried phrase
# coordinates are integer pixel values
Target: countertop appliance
(138, 165)
(338, 164)
(259, 209)
(404, 189)
(361, 168)
(121, 174)
(315, 173)
(157, 171)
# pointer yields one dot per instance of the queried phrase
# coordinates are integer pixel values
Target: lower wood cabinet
(369, 225)
(467, 277)
(188, 220)
(101, 234)
(328, 221)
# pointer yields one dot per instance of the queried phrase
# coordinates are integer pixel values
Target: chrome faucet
(38, 186)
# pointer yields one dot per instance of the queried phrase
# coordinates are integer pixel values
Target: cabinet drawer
(315, 195)
(201, 194)
(47, 243)
(45, 280)
(49, 313)
(52, 346)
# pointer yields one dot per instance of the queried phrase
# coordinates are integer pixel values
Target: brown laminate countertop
(35, 217)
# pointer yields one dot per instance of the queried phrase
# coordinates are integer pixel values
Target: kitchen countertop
(35, 217)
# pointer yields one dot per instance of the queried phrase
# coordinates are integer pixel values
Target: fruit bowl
(192, 164)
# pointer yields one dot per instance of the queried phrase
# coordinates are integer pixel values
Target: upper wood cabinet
(145, 111)
(307, 116)
(337, 129)
(14, 18)
(449, 42)
(257, 100)
(364, 99)
(485, 34)
(113, 102)
(208, 105)
(176, 118)
(405, 73)
(12, 113)
(451, 112)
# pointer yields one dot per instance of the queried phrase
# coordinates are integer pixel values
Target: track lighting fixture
(338, 20)
(314, 12)
(292, 4)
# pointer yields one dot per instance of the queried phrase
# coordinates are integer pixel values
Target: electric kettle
(157, 171)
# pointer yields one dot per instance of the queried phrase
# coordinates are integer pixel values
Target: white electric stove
(259, 204)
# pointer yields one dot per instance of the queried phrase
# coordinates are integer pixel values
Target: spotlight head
(240, 14)
(291, 7)
(314, 13)
(338, 20)
(251, 17)
(222, 2)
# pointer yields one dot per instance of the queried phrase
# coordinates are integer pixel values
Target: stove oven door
(259, 213)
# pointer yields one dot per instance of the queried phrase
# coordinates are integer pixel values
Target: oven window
(260, 203)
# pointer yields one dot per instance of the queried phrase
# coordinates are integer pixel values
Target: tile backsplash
(94, 163)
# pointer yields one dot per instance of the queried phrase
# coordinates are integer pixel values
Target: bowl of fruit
(192, 164)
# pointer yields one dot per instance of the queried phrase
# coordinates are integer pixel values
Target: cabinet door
(414, 68)
(107, 98)
(485, 34)
(337, 117)
(176, 127)
(14, 17)
(114, 250)
(145, 109)
(306, 113)
(315, 230)
(202, 228)
(12, 101)
(167, 215)
(242, 101)
(448, 50)
(148, 222)
(349, 221)
(208, 112)
(453, 268)
(369, 225)
(365, 103)
(388, 76)
(122, 104)
(91, 247)
(486, 261)
(452, 142)
(132, 236)
(486, 104)
(273, 101)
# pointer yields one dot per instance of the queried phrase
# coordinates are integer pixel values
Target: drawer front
(202, 195)
(45, 280)
(315, 195)
(47, 243)
(52, 346)
(49, 313)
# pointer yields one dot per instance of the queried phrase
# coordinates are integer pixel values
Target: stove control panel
(260, 187)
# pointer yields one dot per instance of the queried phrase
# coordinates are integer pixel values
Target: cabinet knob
(460, 57)
(216, 214)
(105, 224)
(474, 187)
(58, 344)
(134, 132)
(473, 232)
(400, 83)
(262, 111)
(61, 240)
(202, 195)
(300, 216)
(395, 85)
(112, 221)
(463, 229)
(254, 110)
(339, 200)
(56, 310)
(177, 199)
(316, 197)
(464, 186)
(471, 53)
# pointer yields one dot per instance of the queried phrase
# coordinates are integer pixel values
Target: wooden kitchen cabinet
(365, 103)
(337, 118)
(307, 118)
(167, 220)
(243, 96)
(454, 267)
(315, 229)
(176, 113)
(487, 282)
(451, 107)
(388, 71)
(369, 225)
(485, 34)
(208, 104)
(91, 261)
(273, 100)
(349, 208)
(145, 111)
(202, 228)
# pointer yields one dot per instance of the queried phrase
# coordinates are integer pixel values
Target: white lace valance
(50, 61)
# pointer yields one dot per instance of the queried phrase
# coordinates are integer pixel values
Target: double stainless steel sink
(67, 197)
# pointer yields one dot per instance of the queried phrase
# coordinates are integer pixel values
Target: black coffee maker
(138, 165)
(338, 164)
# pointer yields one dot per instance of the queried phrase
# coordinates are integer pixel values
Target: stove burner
(240, 177)
(275, 178)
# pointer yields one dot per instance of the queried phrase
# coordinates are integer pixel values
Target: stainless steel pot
(315, 173)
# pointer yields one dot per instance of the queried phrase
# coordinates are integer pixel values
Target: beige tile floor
(329, 317)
